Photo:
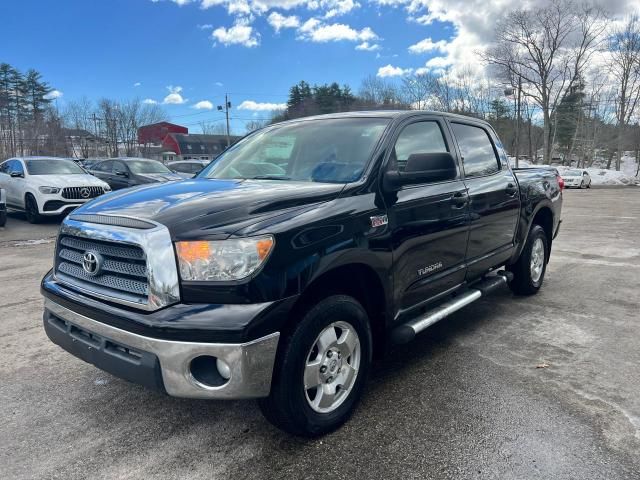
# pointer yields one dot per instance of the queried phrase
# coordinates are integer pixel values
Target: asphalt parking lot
(465, 400)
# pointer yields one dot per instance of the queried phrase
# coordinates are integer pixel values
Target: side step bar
(406, 332)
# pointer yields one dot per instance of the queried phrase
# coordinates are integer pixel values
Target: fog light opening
(206, 371)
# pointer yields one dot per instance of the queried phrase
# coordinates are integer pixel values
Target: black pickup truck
(285, 267)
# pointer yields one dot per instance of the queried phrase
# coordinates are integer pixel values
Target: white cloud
(261, 107)
(279, 21)
(219, 84)
(53, 94)
(203, 105)
(338, 7)
(137, 84)
(239, 34)
(316, 31)
(206, 26)
(428, 45)
(391, 71)
(174, 97)
(369, 47)
(149, 101)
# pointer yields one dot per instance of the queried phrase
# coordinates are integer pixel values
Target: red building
(155, 133)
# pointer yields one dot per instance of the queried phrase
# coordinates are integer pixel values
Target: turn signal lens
(222, 260)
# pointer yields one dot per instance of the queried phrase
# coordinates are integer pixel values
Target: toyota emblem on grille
(85, 192)
(92, 263)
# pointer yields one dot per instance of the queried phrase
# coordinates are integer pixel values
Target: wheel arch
(357, 280)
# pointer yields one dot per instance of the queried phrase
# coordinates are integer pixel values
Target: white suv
(47, 186)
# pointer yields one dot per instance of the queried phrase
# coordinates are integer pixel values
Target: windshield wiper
(270, 177)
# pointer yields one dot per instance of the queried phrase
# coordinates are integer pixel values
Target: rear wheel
(321, 369)
(528, 271)
(31, 209)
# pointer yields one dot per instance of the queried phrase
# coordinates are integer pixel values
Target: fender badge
(379, 220)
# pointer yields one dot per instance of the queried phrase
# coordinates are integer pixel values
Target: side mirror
(422, 168)
(120, 173)
(17, 175)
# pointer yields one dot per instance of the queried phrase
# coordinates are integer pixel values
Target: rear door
(429, 222)
(494, 197)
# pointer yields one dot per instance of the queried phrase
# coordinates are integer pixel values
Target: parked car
(302, 252)
(128, 172)
(3, 208)
(47, 186)
(187, 168)
(576, 178)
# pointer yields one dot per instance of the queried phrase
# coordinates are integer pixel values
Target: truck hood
(210, 208)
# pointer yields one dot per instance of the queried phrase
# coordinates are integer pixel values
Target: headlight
(49, 190)
(106, 188)
(222, 260)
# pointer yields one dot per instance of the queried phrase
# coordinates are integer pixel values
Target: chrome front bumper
(251, 363)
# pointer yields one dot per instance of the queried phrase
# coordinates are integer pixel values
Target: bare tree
(253, 125)
(377, 91)
(547, 48)
(624, 47)
(213, 128)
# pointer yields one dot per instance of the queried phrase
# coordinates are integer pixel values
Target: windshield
(147, 166)
(328, 150)
(573, 173)
(53, 167)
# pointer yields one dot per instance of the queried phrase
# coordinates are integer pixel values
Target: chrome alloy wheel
(537, 259)
(331, 367)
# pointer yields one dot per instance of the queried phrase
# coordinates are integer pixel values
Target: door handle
(511, 190)
(459, 200)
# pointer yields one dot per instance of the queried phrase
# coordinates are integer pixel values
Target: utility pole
(517, 146)
(227, 106)
(95, 131)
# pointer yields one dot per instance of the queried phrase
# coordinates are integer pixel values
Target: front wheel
(528, 271)
(3, 218)
(321, 368)
(31, 209)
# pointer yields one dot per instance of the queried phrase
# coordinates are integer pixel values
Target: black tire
(582, 185)
(589, 184)
(3, 218)
(31, 209)
(523, 282)
(287, 407)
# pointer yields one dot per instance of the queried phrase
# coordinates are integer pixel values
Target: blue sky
(254, 50)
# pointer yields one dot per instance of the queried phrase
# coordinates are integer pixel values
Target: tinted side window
(15, 166)
(416, 138)
(479, 157)
(103, 167)
(118, 167)
(4, 167)
(181, 167)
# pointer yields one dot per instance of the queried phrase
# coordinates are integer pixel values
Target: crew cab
(304, 252)
(47, 186)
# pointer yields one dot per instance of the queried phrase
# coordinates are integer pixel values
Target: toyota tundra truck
(299, 256)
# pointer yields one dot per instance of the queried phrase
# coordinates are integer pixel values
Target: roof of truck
(388, 114)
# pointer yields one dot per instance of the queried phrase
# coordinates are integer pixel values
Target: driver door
(429, 222)
(119, 175)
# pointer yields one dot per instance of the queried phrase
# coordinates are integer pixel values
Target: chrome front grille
(135, 266)
(122, 272)
(81, 193)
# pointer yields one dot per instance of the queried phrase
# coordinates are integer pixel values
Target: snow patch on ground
(27, 243)
(600, 176)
